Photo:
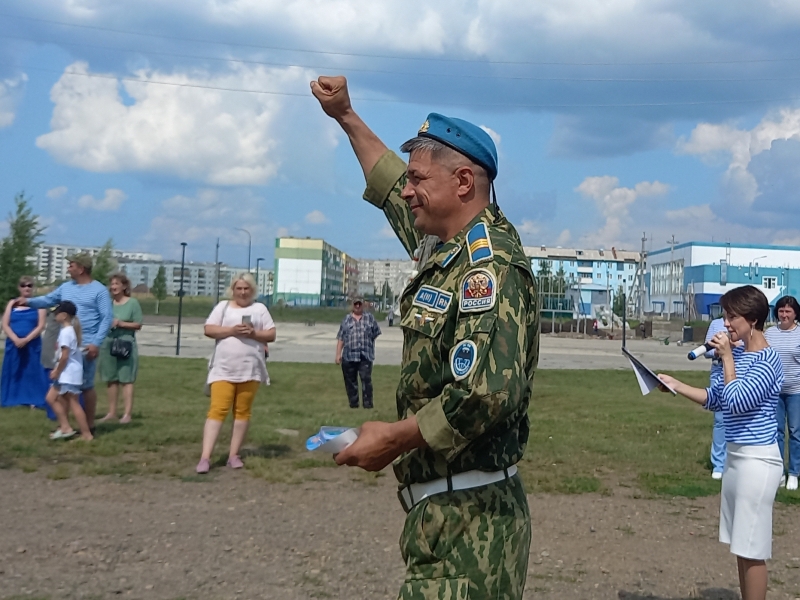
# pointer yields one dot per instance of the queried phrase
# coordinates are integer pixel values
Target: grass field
(591, 431)
(201, 306)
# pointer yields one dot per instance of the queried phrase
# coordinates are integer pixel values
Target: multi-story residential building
(309, 272)
(687, 280)
(199, 279)
(379, 271)
(591, 277)
(351, 278)
(51, 261)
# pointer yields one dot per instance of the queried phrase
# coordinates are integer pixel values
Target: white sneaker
(783, 481)
(716, 475)
(791, 482)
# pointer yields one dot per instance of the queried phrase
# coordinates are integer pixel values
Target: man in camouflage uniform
(470, 328)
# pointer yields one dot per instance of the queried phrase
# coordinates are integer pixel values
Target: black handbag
(121, 348)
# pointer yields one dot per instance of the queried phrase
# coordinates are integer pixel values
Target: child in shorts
(67, 375)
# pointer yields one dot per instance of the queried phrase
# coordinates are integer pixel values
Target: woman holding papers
(747, 396)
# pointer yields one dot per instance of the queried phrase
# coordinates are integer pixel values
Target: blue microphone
(700, 351)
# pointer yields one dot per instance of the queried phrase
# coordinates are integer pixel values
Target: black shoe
(368, 406)
(354, 406)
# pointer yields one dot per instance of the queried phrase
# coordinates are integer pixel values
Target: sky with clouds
(155, 123)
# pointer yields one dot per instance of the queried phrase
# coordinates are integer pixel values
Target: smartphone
(247, 320)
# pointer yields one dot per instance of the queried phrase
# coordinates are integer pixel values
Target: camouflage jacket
(470, 339)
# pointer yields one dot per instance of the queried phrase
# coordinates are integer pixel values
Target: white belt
(417, 492)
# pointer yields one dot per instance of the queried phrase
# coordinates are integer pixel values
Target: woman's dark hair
(748, 302)
(789, 301)
(123, 279)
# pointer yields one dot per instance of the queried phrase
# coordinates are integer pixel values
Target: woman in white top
(241, 328)
(785, 339)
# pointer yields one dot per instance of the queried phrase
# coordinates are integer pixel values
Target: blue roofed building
(688, 280)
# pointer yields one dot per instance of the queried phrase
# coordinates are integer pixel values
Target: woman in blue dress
(24, 382)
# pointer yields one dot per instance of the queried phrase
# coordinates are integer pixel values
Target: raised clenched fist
(332, 95)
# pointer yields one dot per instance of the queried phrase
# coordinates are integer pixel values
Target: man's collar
(446, 251)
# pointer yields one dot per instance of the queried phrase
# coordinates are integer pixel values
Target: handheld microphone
(699, 351)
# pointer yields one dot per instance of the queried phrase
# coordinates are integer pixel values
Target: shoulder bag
(207, 388)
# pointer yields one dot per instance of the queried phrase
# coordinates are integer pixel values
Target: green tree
(619, 302)
(561, 281)
(18, 249)
(104, 263)
(159, 289)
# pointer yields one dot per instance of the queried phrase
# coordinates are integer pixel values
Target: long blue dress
(24, 381)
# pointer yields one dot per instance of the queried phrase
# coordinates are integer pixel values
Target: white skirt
(749, 484)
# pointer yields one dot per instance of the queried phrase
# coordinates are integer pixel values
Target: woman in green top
(114, 370)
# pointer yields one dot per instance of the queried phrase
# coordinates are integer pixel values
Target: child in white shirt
(67, 376)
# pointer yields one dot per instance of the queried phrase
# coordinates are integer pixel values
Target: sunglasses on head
(26, 285)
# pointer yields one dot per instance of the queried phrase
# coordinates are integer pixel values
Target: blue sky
(612, 117)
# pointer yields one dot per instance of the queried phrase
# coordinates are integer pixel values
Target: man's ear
(466, 182)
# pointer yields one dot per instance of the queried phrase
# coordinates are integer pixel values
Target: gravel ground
(335, 536)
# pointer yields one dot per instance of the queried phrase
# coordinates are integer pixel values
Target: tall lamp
(180, 301)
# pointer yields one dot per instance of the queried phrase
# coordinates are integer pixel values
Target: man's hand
(333, 96)
(338, 359)
(92, 351)
(379, 443)
(21, 301)
(54, 375)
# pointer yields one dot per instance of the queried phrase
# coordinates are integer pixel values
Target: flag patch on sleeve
(478, 291)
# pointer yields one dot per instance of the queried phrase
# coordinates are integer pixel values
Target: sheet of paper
(648, 381)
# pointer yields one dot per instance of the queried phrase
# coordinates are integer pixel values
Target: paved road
(299, 343)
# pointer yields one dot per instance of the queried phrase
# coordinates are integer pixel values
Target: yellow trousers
(226, 395)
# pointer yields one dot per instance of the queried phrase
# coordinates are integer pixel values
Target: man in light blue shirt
(718, 446)
(95, 314)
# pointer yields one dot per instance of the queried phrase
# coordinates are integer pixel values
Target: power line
(395, 101)
(395, 57)
(415, 73)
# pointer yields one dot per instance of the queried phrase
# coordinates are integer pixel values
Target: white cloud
(563, 238)
(282, 232)
(10, 94)
(614, 203)
(739, 186)
(57, 192)
(492, 134)
(316, 217)
(387, 232)
(210, 214)
(222, 138)
(112, 200)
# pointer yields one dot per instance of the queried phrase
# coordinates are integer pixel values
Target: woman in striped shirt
(747, 396)
(785, 339)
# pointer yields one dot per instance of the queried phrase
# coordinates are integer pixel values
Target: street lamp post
(180, 301)
(258, 283)
(249, 245)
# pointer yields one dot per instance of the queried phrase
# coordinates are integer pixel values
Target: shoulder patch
(433, 299)
(478, 291)
(479, 244)
(463, 358)
(449, 258)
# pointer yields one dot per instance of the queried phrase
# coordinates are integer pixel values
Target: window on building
(619, 277)
(585, 263)
(769, 283)
(620, 266)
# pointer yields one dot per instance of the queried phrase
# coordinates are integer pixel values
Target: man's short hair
(442, 154)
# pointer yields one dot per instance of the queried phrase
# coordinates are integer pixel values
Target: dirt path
(234, 536)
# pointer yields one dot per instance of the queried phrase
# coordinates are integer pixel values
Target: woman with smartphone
(241, 328)
(747, 395)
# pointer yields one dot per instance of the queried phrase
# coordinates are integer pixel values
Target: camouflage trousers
(468, 544)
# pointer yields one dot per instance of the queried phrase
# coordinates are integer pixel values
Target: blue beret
(463, 137)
